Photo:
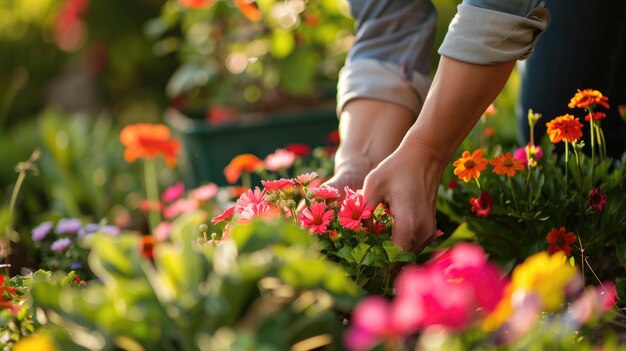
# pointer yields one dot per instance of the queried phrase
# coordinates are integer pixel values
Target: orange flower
(565, 127)
(243, 162)
(506, 164)
(588, 98)
(146, 246)
(597, 116)
(143, 140)
(559, 240)
(248, 10)
(470, 166)
(196, 4)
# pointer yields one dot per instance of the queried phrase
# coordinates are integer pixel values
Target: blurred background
(74, 72)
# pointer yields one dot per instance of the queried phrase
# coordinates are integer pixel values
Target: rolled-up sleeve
(390, 57)
(494, 31)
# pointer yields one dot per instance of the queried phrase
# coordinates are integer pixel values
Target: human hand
(407, 183)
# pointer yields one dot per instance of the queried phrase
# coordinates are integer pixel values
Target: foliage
(16, 313)
(267, 289)
(240, 54)
(553, 192)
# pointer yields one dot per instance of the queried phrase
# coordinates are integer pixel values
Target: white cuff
(373, 79)
(482, 36)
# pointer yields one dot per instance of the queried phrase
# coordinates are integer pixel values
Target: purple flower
(76, 266)
(61, 245)
(89, 228)
(40, 231)
(68, 226)
(110, 229)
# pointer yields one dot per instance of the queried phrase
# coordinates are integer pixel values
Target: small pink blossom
(275, 185)
(316, 218)
(173, 193)
(61, 245)
(250, 197)
(224, 216)
(353, 210)
(179, 207)
(305, 179)
(204, 193)
(280, 159)
(521, 155)
(325, 192)
(261, 210)
(162, 231)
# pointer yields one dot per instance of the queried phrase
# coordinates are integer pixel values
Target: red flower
(559, 240)
(596, 116)
(353, 210)
(299, 149)
(453, 184)
(224, 216)
(275, 185)
(333, 137)
(597, 199)
(481, 205)
(316, 218)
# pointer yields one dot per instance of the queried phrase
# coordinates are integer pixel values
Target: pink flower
(224, 216)
(173, 193)
(204, 193)
(353, 210)
(163, 231)
(316, 218)
(275, 185)
(262, 210)
(325, 192)
(179, 207)
(454, 288)
(481, 205)
(305, 179)
(375, 319)
(521, 154)
(597, 199)
(250, 197)
(280, 159)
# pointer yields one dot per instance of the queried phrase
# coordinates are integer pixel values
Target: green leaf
(392, 250)
(346, 253)
(620, 287)
(407, 257)
(621, 254)
(359, 252)
(298, 71)
(188, 77)
(115, 257)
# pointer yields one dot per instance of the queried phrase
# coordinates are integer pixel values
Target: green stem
(246, 180)
(593, 144)
(152, 191)
(566, 164)
(512, 191)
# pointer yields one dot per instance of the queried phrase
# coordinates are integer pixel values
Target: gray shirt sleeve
(390, 57)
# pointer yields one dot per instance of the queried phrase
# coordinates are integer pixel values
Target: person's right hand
(407, 183)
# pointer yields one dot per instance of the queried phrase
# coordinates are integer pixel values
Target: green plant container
(208, 149)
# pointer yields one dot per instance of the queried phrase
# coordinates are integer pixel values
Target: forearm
(370, 130)
(459, 95)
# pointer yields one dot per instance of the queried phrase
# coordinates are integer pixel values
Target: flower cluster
(459, 290)
(59, 243)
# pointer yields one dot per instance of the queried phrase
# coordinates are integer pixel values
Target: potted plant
(247, 71)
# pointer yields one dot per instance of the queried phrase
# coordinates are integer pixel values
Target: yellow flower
(38, 341)
(546, 275)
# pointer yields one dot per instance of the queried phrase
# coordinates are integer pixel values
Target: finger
(371, 193)
(403, 228)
